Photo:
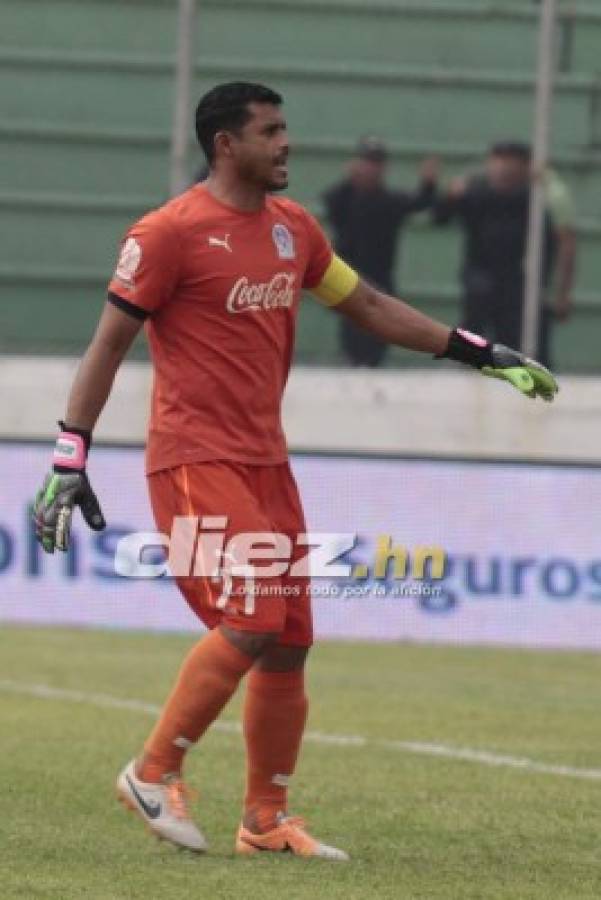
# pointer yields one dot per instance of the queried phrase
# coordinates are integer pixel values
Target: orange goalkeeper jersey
(219, 289)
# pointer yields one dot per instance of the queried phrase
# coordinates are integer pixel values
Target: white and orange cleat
(163, 807)
(288, 836)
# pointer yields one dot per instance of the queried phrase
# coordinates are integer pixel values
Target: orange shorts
(254, 499)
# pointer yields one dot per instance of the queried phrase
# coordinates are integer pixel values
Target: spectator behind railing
(492, 208)
(367, 217)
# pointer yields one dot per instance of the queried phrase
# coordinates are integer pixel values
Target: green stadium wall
(86, 109)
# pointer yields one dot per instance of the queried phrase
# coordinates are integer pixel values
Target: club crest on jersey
(129, 260)
(283, 240)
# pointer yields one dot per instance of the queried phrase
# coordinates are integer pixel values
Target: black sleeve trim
(125, 306)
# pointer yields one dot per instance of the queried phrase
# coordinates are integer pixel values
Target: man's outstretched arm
(67, 485)
(396, 322)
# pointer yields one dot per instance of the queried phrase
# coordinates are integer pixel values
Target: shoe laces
(179, 795)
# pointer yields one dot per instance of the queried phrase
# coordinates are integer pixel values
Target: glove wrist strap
(468, 348)
(82, 432)
(70, 452)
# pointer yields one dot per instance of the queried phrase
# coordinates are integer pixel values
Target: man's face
(260, 151)
(506, 172)
(367, 174)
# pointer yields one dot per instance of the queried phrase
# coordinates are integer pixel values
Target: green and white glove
(64, 488)
(497, 361)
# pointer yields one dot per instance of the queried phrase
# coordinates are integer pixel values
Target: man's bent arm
(114, 335)
(394, 321)
(566, 269)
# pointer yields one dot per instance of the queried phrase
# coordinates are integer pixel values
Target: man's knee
(280, 658)
(251, 643)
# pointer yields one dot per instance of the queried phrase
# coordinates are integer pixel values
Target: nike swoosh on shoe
(152, 809)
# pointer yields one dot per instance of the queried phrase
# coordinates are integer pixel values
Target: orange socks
(275, 713)
(209, 676)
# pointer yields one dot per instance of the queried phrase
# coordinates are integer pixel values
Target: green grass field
(417, 825)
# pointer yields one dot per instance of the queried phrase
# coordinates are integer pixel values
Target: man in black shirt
(493, 210)
(366, 219)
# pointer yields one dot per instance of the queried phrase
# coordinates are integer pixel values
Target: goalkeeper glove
(498, 361)
(64, 488)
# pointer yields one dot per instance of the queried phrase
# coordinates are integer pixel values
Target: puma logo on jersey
(220, 242)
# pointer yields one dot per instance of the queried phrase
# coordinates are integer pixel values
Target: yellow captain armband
(338, 283)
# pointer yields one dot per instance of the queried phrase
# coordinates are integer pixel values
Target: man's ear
(223, 143)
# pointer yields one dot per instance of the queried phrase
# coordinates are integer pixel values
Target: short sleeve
(320, 253)
(560, 201)
(148, 265)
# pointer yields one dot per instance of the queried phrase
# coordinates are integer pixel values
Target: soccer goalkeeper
(216, 276)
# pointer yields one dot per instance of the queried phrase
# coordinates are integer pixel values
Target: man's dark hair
(225, 108)
(512, 149)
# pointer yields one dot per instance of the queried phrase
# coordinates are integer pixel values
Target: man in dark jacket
(492, 207)
(366, 218)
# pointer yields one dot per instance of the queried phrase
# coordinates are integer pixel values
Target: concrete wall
(448, 412)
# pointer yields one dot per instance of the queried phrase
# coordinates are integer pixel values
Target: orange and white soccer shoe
(163, 807)
(288, 836)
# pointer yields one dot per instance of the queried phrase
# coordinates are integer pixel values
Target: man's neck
(233, 192)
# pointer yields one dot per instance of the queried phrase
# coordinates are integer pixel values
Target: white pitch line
(464, 754)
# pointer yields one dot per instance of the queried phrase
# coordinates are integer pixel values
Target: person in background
(563, 215)
(366, 218)
(492, 207)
